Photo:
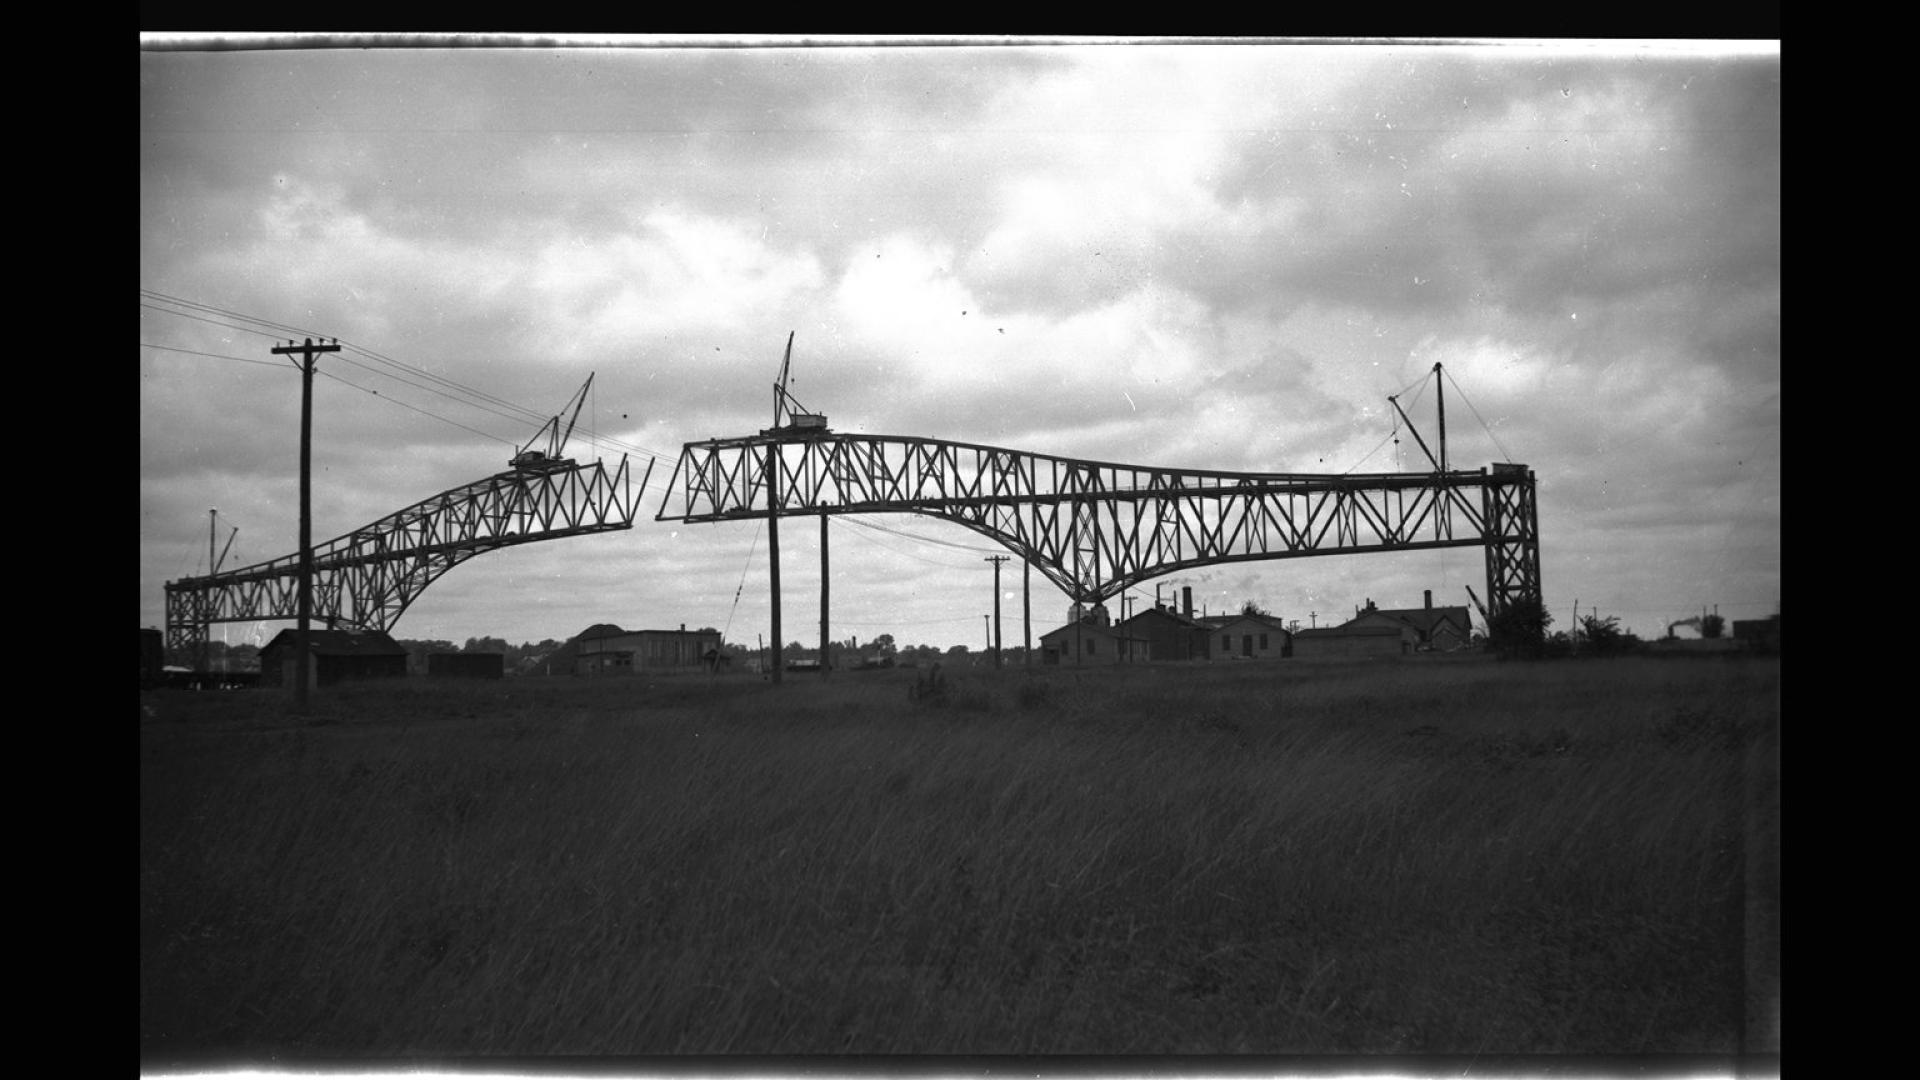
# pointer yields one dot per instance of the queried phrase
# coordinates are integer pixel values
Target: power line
(216, 356)
(1476, 416)
(460, 393)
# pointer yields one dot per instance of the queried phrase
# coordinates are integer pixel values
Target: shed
(338, 656)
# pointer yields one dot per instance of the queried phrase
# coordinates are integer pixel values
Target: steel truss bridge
(1095, 528)
(365, 579)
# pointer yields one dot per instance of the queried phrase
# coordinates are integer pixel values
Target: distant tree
(1603, 635)
(1712, 626)
(1251, 608)
(1520, 628)
(957, 653)
(884, 643)
(486, 645)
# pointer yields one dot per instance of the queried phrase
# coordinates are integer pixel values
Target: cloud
(1217, 257)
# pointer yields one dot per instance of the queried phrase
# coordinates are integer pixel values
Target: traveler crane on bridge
(789, 416)
(528, 459)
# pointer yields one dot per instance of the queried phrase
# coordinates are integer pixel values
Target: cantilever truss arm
(1095, 528)
(366, 579)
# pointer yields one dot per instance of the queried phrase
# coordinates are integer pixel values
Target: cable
(415, 408)
(216, 356)
(447, 388)
(1476, 416)
(743, 582)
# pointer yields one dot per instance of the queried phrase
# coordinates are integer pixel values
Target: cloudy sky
(1202, 256)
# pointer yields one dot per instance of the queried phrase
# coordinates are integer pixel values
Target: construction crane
(788, 414)
(528, 459)
(1482, 608)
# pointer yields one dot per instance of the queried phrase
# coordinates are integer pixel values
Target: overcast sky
(1202, 256)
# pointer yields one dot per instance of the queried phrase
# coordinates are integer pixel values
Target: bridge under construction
(1093, 528)
(1096, 528)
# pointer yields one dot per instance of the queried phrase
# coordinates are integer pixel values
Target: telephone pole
(1026, 603)
(303, 638)
(996, 560)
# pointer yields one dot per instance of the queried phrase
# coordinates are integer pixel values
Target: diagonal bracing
(367, 578)
(1095, 528)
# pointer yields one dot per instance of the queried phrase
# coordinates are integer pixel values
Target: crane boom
(1484, 617)
(549, 459)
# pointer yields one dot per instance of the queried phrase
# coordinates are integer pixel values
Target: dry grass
(1413, 857)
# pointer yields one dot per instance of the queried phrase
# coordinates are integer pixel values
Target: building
(1439, 629)
(605, 649)
(1172, 634)
(152, 657)
(337, 656)
(1248, 637)
(1758, 635)
(1091, 638)
(1353, 641)
(1168, 634)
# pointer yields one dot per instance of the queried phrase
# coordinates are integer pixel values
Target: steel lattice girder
(1513, 545)
(365, 579)
(1095, 528)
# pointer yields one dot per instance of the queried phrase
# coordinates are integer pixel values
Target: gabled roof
(1423, 619)
(1089, 626)
(1268, 621)
(1350, 630)
(1166, 613)
(341, 642)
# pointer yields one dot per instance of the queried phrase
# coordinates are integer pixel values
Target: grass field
(1425, 856)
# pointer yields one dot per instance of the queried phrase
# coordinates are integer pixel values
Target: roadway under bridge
(1095, 528)
(365, 579)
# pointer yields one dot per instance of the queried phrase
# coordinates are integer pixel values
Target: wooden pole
(825, 653)
(773, 549)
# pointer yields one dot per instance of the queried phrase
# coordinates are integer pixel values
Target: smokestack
(1186, 600)
(1429, 599)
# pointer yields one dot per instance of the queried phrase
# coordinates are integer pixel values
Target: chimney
(1186, 600)
(1429, 599)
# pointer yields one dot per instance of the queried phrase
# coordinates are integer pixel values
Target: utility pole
(206, 625)
(996, 560)
(773, 547)
(303, 636)
(1026, 600)
(825, 653)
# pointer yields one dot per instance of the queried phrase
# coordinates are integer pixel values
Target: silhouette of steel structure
(365, 579)
(1094, 528)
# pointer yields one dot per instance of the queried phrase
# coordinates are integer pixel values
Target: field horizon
(1425, 855)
